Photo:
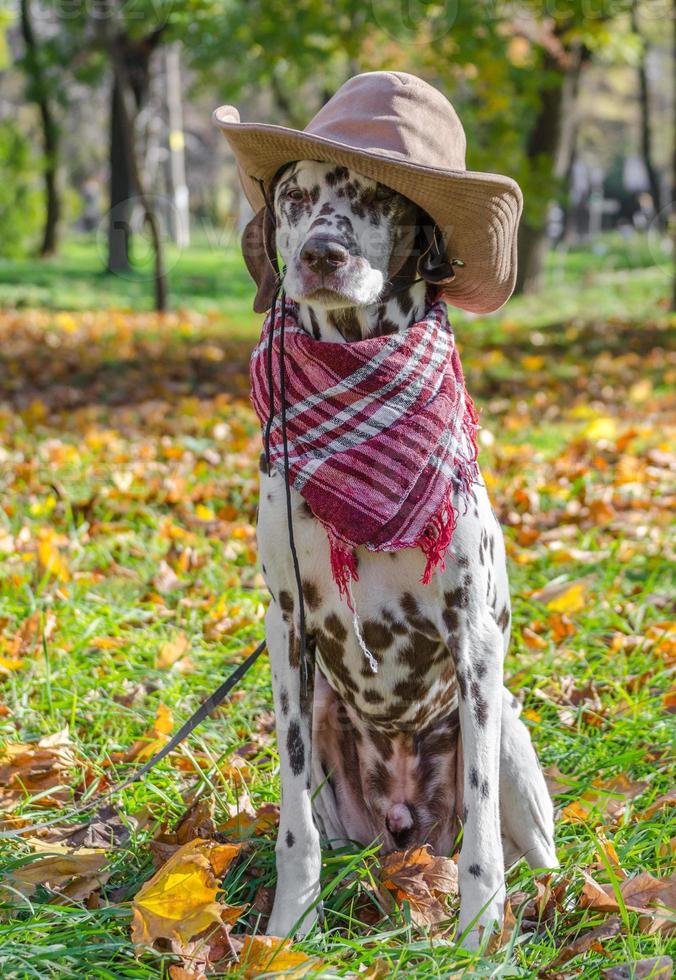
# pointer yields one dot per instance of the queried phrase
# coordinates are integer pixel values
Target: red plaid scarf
(381, 434)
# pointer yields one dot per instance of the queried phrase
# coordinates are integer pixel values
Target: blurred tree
(645, 123)
(38, 64)
(20, 198)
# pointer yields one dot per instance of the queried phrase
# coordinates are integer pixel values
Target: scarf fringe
(438, 535)
(343, 566)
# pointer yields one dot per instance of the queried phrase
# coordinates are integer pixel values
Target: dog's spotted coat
(432, 741)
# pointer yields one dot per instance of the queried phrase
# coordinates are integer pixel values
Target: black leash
(221, 692)
(186, 729)
(280, 295)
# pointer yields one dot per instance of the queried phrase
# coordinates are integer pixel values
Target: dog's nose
(323, 254)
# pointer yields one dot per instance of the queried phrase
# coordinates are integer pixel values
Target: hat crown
(396, 114)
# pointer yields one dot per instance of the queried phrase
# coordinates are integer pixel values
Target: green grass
(618, 277)
(131, 438)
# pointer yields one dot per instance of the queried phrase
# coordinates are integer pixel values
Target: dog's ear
(434, 266)
(259, 248)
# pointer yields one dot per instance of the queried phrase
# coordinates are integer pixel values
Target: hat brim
(477, 212)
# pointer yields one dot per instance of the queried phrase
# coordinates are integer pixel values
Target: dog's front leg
(298, 851)
(479, 658)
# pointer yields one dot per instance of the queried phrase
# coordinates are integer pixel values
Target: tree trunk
(672, 214)
(121, 185)
(644, 115)
(50, 133)
(131, 76)
(179, 188)
(552, 136)
(133, 86)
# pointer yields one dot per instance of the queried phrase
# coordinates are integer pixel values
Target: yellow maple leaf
(180, 899)
(263, 955)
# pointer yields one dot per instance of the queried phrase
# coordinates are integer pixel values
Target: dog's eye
(294, 194)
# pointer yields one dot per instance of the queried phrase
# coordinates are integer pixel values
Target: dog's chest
(404, 625)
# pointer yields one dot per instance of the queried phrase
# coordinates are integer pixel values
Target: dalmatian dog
(432, 743)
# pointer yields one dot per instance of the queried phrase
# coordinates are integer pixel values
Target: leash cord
(279, 293)
(186, 729)
(289, 508)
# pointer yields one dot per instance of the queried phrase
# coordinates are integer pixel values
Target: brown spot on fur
(415, 617)
(503, 618)
(376, 636)
(378, 779)
(294, 649)
(286, 602)
(451, 620)
(418, 652)
(311, 594)
(371, 696)
(335, 627)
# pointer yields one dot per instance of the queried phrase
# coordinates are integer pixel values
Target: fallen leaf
(532, 640)
(105, 829)
(667, 799)
(179, 901)
(70, 874)
(29, 769)
(608, 929)
(245, 823)
(500, 939)
(152, 742)
(563, 597)
(656, 968)
(172, 651)
(263, 955)
(421, 879)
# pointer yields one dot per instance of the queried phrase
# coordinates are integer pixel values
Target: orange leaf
(173, 650)
(421, 879)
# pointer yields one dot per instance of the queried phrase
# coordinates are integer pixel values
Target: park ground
(129, 588)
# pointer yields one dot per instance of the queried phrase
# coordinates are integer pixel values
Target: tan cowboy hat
(402, 132)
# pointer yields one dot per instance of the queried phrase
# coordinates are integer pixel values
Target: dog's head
(343, 238)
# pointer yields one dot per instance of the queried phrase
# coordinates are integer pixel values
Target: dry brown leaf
(640, 894)
(500, 939)
(421, 879)
(245, 823)
(656, 968)
(611, 927)
(179, 901)
(28, 769)
(71, 874)
(667, 799)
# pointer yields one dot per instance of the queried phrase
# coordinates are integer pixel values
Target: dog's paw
(291, 919)
(481, 911)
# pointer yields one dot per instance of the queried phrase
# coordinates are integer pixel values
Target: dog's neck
(394, 313)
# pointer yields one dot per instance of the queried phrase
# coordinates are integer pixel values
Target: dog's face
(341, 235)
